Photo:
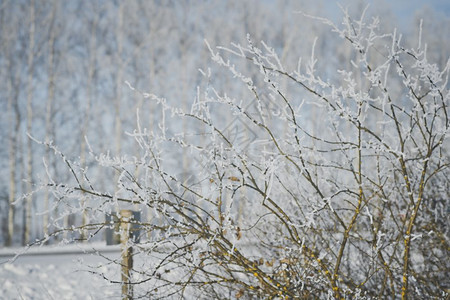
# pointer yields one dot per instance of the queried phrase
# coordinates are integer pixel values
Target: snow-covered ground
(61, 272)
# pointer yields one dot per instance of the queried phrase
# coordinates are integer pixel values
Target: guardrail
(70, 249)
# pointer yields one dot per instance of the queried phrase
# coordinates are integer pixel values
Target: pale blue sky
(404, 10)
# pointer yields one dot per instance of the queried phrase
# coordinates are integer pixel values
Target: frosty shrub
(338, 187)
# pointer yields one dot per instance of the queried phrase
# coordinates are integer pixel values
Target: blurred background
(66, 68)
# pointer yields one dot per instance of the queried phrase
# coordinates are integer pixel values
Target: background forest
(64, 65)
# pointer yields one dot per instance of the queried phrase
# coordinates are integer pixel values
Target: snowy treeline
(270, 153)
(64, 68)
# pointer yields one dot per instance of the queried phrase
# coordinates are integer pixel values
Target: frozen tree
(300, 167)
(353, 207)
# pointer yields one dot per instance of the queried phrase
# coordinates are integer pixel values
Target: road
(63, 272)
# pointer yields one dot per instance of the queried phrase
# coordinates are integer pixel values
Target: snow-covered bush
(333, 184)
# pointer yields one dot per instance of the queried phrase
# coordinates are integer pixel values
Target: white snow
(58, 273)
